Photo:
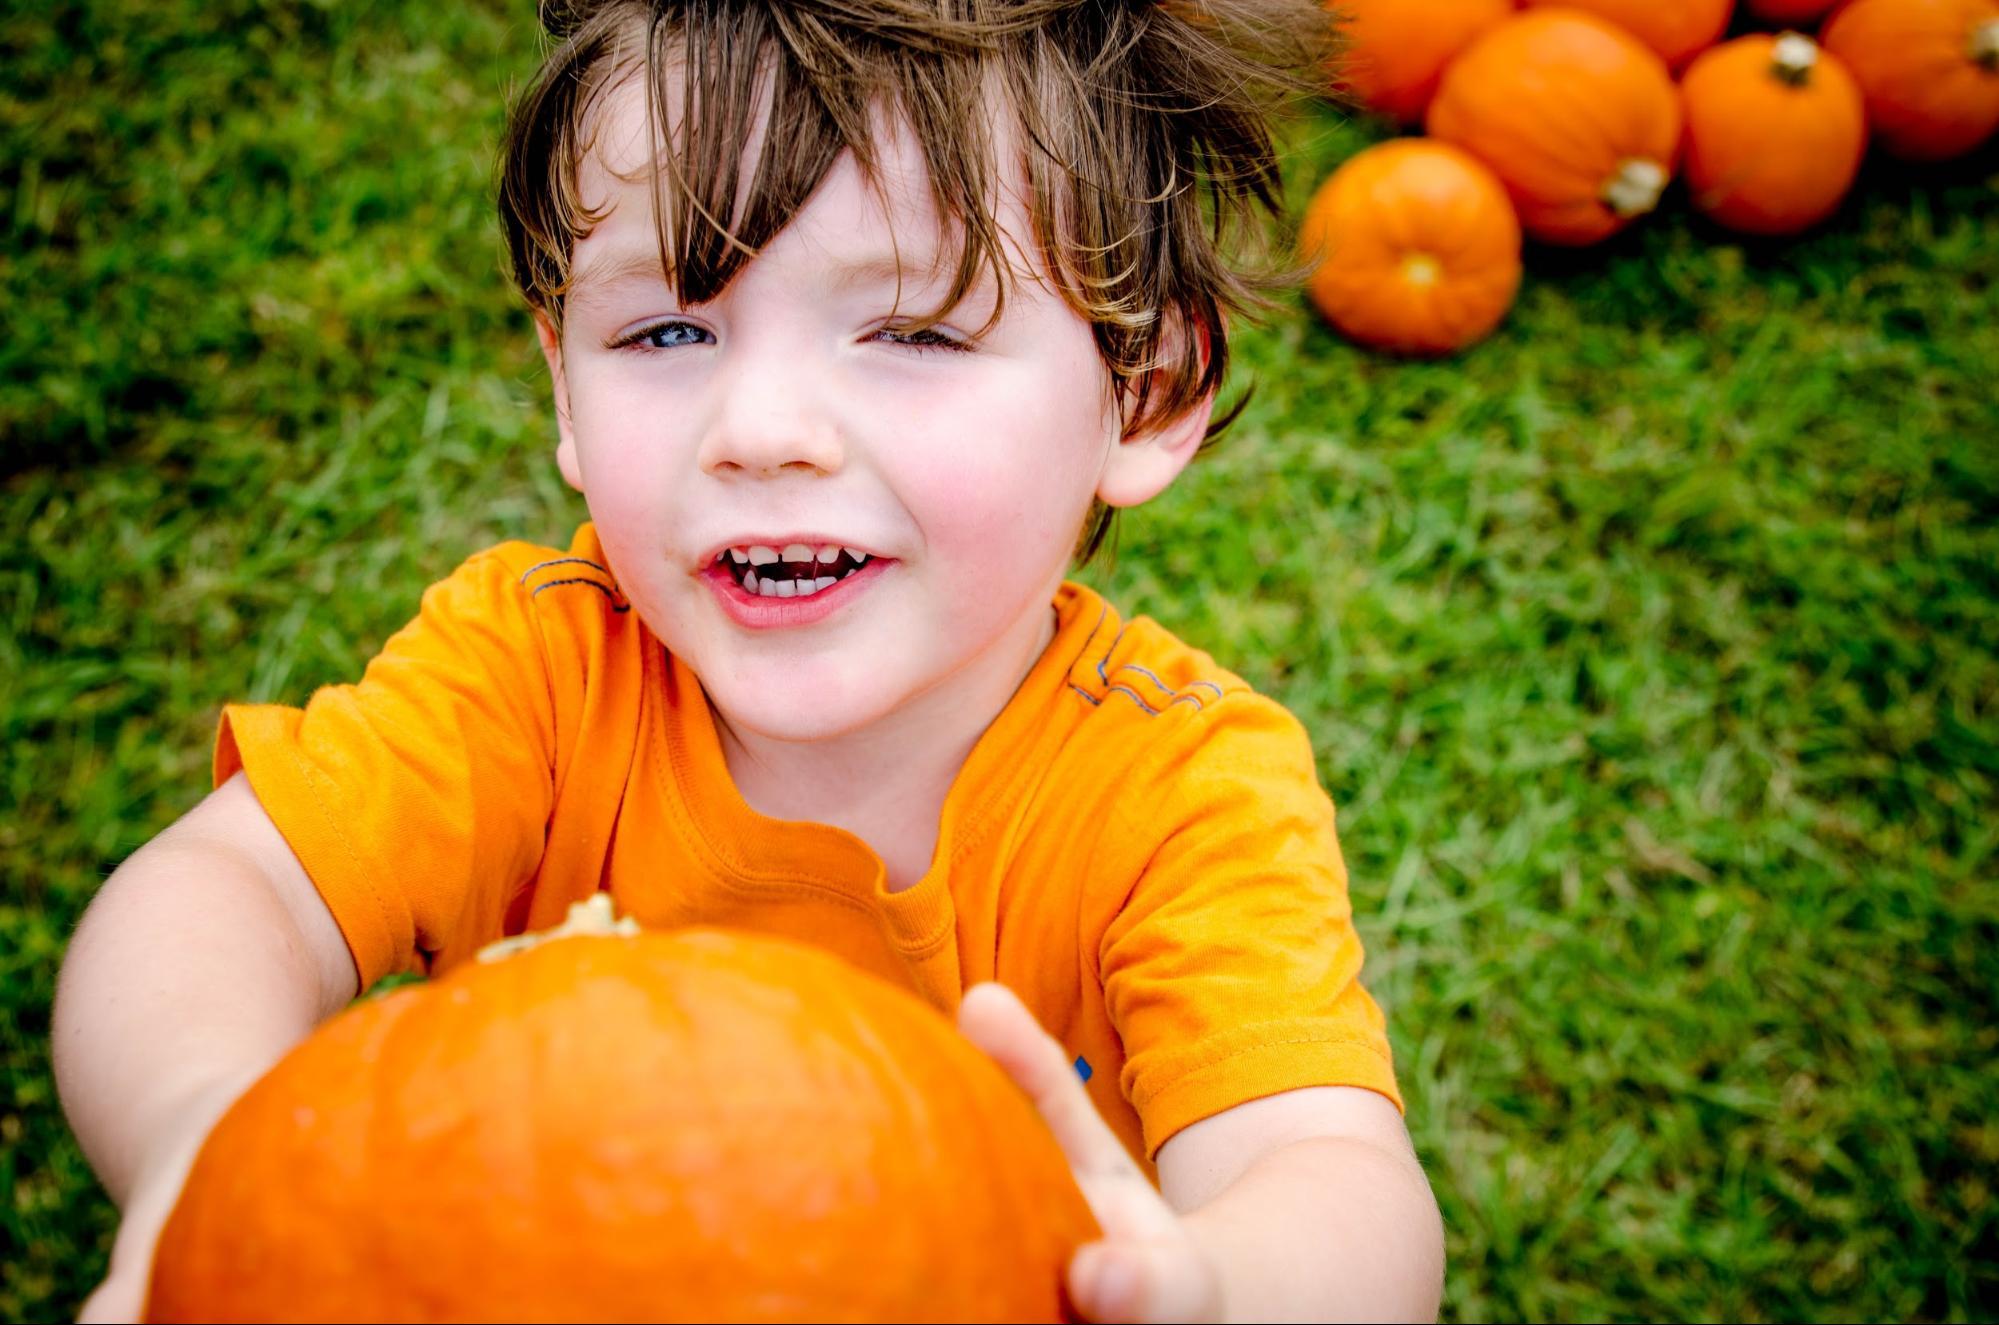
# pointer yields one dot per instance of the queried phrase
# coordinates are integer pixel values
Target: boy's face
(795, 409)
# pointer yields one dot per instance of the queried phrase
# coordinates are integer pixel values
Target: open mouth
(793, 571)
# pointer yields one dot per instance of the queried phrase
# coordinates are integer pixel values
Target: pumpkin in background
(1790, 11)
(1580, 121)
(1775, 133)
(1928, 68)
(695, 1125)
(1677, 30)
(1396, 49)
(1416, 248)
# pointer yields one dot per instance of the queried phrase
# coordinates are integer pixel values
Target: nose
(771, 418)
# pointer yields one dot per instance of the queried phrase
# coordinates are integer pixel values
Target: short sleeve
(418, 798)
(1233, 970)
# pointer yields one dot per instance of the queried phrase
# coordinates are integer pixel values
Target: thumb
(1143, 1282)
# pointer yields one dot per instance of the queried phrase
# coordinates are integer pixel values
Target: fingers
(992, 1017)
(1147, 1267)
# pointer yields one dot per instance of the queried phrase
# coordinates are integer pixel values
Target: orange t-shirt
(1138, 845)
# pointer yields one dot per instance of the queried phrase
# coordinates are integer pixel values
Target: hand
(1148, 1266)
(122, 1295)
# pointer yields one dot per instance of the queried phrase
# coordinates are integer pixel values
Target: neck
(887, 782)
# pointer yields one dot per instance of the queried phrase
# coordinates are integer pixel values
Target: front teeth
(759, 554)
(799, 555)
(776, 588)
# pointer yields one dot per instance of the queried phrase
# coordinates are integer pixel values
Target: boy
(856, 313)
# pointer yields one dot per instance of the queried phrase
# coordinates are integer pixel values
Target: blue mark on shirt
(1083, 1068)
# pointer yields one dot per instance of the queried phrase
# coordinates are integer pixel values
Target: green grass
(1649, 648)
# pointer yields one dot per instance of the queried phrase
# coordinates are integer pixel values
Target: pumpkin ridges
(1775, 133)
(783, 1040)
(1410, 199)
(1555, 101)
(1675, 30)
(1928, 96)
(1395, 51)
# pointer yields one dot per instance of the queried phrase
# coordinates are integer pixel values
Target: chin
(801, 712)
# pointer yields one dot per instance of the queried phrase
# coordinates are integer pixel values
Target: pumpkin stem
(1636, 186)
(1985, 44)
(589, 917)
(1792, 58)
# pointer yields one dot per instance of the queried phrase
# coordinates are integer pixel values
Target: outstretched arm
(1308, 1205)
(203, 958)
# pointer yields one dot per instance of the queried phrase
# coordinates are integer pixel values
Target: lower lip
(756, 612)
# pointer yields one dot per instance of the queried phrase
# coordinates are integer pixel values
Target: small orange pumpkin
(1790, 11)
(1396, 49)
(1775, 133)
(698, 1125)
(1417, 248)
(1928, 68)
(1677, 29)
(1580, 121)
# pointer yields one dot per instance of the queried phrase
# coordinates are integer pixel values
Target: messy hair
(1146, 133)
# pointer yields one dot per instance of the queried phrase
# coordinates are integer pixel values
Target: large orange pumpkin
(1790, 11)
(1929, 70)
(1579, 120)
(696, 1126)
(1396, 49)
(1775, 133)
(1677, 29)
(1416, 248)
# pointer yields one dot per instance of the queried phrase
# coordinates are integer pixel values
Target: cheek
(623, 451)
(1016, 474)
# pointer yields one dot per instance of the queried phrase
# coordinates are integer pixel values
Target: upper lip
(782, 541)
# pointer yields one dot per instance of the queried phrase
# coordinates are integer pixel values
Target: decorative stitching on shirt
(1191, 685)
(563, 561)
(1178, 697)
(598, 585)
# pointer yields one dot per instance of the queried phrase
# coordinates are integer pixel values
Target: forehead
(890, 209)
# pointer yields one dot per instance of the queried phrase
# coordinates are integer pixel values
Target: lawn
(1649, 648)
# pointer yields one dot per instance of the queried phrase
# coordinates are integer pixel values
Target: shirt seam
(1142, 1095)
(724, 869)
(326, 817)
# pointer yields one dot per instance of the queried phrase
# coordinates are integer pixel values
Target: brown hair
(1146, 132)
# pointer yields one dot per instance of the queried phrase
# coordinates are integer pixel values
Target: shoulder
(550, 591)
(1178, 728)
(1153, 692)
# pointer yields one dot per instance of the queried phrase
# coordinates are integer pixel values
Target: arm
(203, 958)
(1311, 1205)
(1307, 1205)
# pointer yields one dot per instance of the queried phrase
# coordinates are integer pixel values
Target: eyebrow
(602, 275)
(610, 271)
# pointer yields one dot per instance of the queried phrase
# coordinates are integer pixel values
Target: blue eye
(666, 336)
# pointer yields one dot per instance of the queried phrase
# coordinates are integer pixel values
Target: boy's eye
(666, 336)
(927, 339)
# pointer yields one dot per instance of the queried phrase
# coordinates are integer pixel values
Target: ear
(565, 446)
(1141, 465)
